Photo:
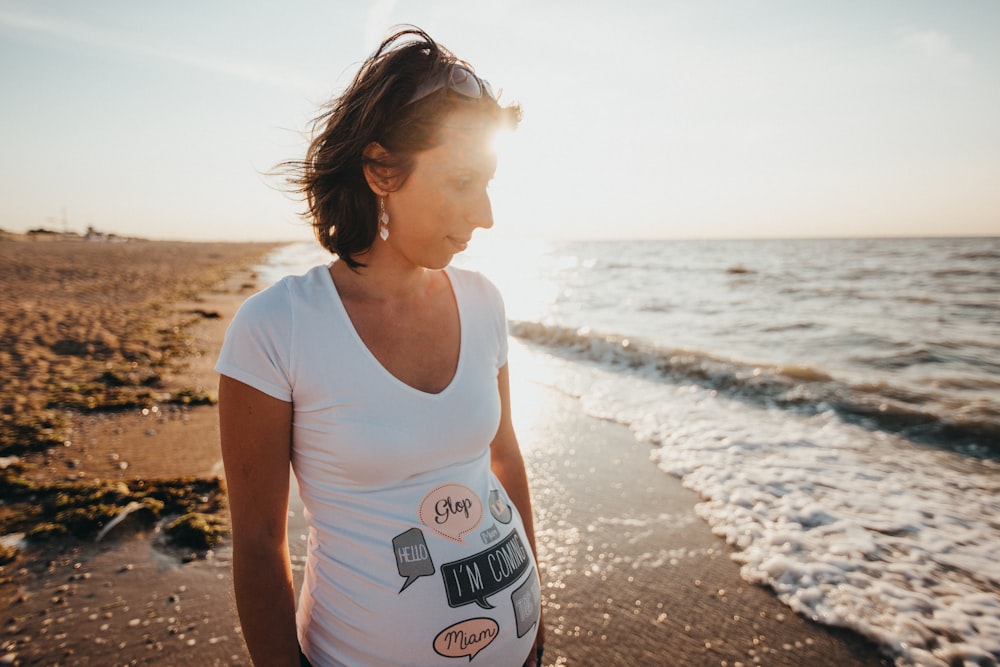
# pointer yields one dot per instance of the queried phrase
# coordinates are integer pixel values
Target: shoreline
(631, 576)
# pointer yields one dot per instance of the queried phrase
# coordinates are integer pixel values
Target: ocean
(835, 404)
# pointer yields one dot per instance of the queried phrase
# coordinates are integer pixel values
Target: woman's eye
(467, 183)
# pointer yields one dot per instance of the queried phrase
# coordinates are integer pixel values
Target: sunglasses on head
(457, 77)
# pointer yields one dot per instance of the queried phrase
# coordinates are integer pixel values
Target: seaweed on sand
(85, 509)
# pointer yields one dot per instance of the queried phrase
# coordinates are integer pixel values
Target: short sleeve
(498, 315)
(501, 320)
(257, 345)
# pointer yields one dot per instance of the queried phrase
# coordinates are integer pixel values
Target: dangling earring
(383, 220)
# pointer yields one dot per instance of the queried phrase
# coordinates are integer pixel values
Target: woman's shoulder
(470, 279)
(284, 293)
(480, 290)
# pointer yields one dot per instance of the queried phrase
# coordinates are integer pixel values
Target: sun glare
(502, 141)
(517, 267)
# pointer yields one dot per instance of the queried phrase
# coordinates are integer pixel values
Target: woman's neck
(383, 280)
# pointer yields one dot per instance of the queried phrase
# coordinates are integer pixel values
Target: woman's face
(445, 199)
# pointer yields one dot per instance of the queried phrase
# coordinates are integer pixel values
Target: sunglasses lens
(464, 82)
(487, 88)
(459, 79)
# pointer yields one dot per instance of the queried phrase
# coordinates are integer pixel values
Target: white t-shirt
(416, 555)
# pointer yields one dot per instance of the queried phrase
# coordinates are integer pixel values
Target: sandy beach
(107, 362)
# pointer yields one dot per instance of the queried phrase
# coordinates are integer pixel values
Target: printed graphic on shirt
(499, 508)
(527, 600)
(490, 535)
(486, 573)
(466, 638)
(413, 560)
(451, 510)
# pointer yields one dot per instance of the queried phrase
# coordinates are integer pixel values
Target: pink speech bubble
(466, 638)
(451, 510)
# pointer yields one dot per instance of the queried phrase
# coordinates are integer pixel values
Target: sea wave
(923, 414)
(978, 255)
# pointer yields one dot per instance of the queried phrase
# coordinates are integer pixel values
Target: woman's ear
(377, 172)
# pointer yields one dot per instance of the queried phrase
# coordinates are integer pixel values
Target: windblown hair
(374, 108)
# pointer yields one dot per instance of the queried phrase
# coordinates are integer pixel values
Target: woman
(382, 378)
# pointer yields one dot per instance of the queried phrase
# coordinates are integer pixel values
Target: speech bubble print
(477, 577)
(527, 600)
(467, 637)
(413, 560)
(451, 510)
(490, 535)
(499, 507)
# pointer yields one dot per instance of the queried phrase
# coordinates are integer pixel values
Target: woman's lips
(460, 244)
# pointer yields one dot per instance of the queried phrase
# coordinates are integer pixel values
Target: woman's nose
(481, 214)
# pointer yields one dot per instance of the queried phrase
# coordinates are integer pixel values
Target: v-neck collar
(345, 316)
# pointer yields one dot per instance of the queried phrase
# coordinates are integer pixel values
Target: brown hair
(376, 108)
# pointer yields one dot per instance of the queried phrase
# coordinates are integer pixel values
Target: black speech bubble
(488, 572)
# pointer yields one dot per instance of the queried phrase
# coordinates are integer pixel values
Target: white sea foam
(850, 527)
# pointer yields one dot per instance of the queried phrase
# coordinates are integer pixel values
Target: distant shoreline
(42, 233)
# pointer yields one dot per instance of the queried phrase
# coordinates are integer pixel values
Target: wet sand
(631, 576)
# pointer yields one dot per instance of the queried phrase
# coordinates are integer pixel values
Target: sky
(642, 119)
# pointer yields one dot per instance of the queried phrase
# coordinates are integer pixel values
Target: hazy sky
(700, 119)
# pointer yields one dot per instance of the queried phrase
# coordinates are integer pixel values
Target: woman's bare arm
(508, 465)
(256, 449)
